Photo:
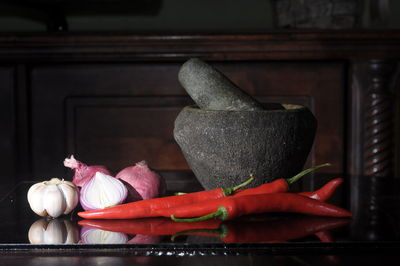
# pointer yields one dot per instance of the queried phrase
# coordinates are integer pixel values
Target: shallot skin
(83, 173)
(142, 182)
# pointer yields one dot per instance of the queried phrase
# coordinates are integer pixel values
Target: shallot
(102, 191)
(142, 182)
(83, 172)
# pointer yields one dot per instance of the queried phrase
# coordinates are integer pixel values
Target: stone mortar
(224, 147)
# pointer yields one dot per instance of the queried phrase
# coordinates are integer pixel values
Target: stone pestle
(229, 135)
(211, 90)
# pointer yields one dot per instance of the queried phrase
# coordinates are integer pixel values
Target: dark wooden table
(371, 237)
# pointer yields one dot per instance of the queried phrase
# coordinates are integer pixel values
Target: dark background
(176, 15)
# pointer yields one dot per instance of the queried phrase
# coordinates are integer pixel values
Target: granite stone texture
(211, 90)
(224, 147)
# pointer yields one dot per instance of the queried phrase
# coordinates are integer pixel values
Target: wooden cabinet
(8, 130)
(112, 100)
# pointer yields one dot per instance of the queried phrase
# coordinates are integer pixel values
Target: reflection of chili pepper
(324, 236)
(148, 226)
(232, 207)
(276, 230)
(325, 192)
(280, 230)
(153, 207)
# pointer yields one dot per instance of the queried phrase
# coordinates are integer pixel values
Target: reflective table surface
(372, 232)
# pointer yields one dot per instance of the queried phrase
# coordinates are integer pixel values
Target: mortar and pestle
(228, 135)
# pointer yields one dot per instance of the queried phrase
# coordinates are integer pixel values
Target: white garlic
(53, 198)
(102, 191)
(56, 231)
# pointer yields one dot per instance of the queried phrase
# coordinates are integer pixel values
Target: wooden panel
(52, 85)
(99, 112)
(122, 131)
(7, 132)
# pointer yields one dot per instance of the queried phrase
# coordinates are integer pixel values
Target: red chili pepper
(276, 230)
(325, 192)
(278, 185)
(148, 226)
(153, 207)
(232, 207)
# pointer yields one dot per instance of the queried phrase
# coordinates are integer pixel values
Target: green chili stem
(221, 213)
(227, 191)
(230, 190)
(304, 172)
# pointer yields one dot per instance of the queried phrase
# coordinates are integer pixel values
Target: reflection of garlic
(97, 236)
(56, 231)
(53, 198)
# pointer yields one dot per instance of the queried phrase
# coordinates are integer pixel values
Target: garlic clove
(71, 196)
(55, 203)
(55, 232)
(72, 233)
(36, 231)
(35, 199)
(69, 183)
(102, 191)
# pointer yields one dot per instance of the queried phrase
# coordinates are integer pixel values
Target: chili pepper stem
(221, 213)
(227, 191)
(230, 190)
(304, 172)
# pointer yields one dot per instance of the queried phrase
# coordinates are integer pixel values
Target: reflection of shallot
(97, 236)
(145, 239)
(83, 172)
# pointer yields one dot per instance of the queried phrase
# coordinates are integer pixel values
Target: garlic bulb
(102, 191)
(53, 198)
(56, 231)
